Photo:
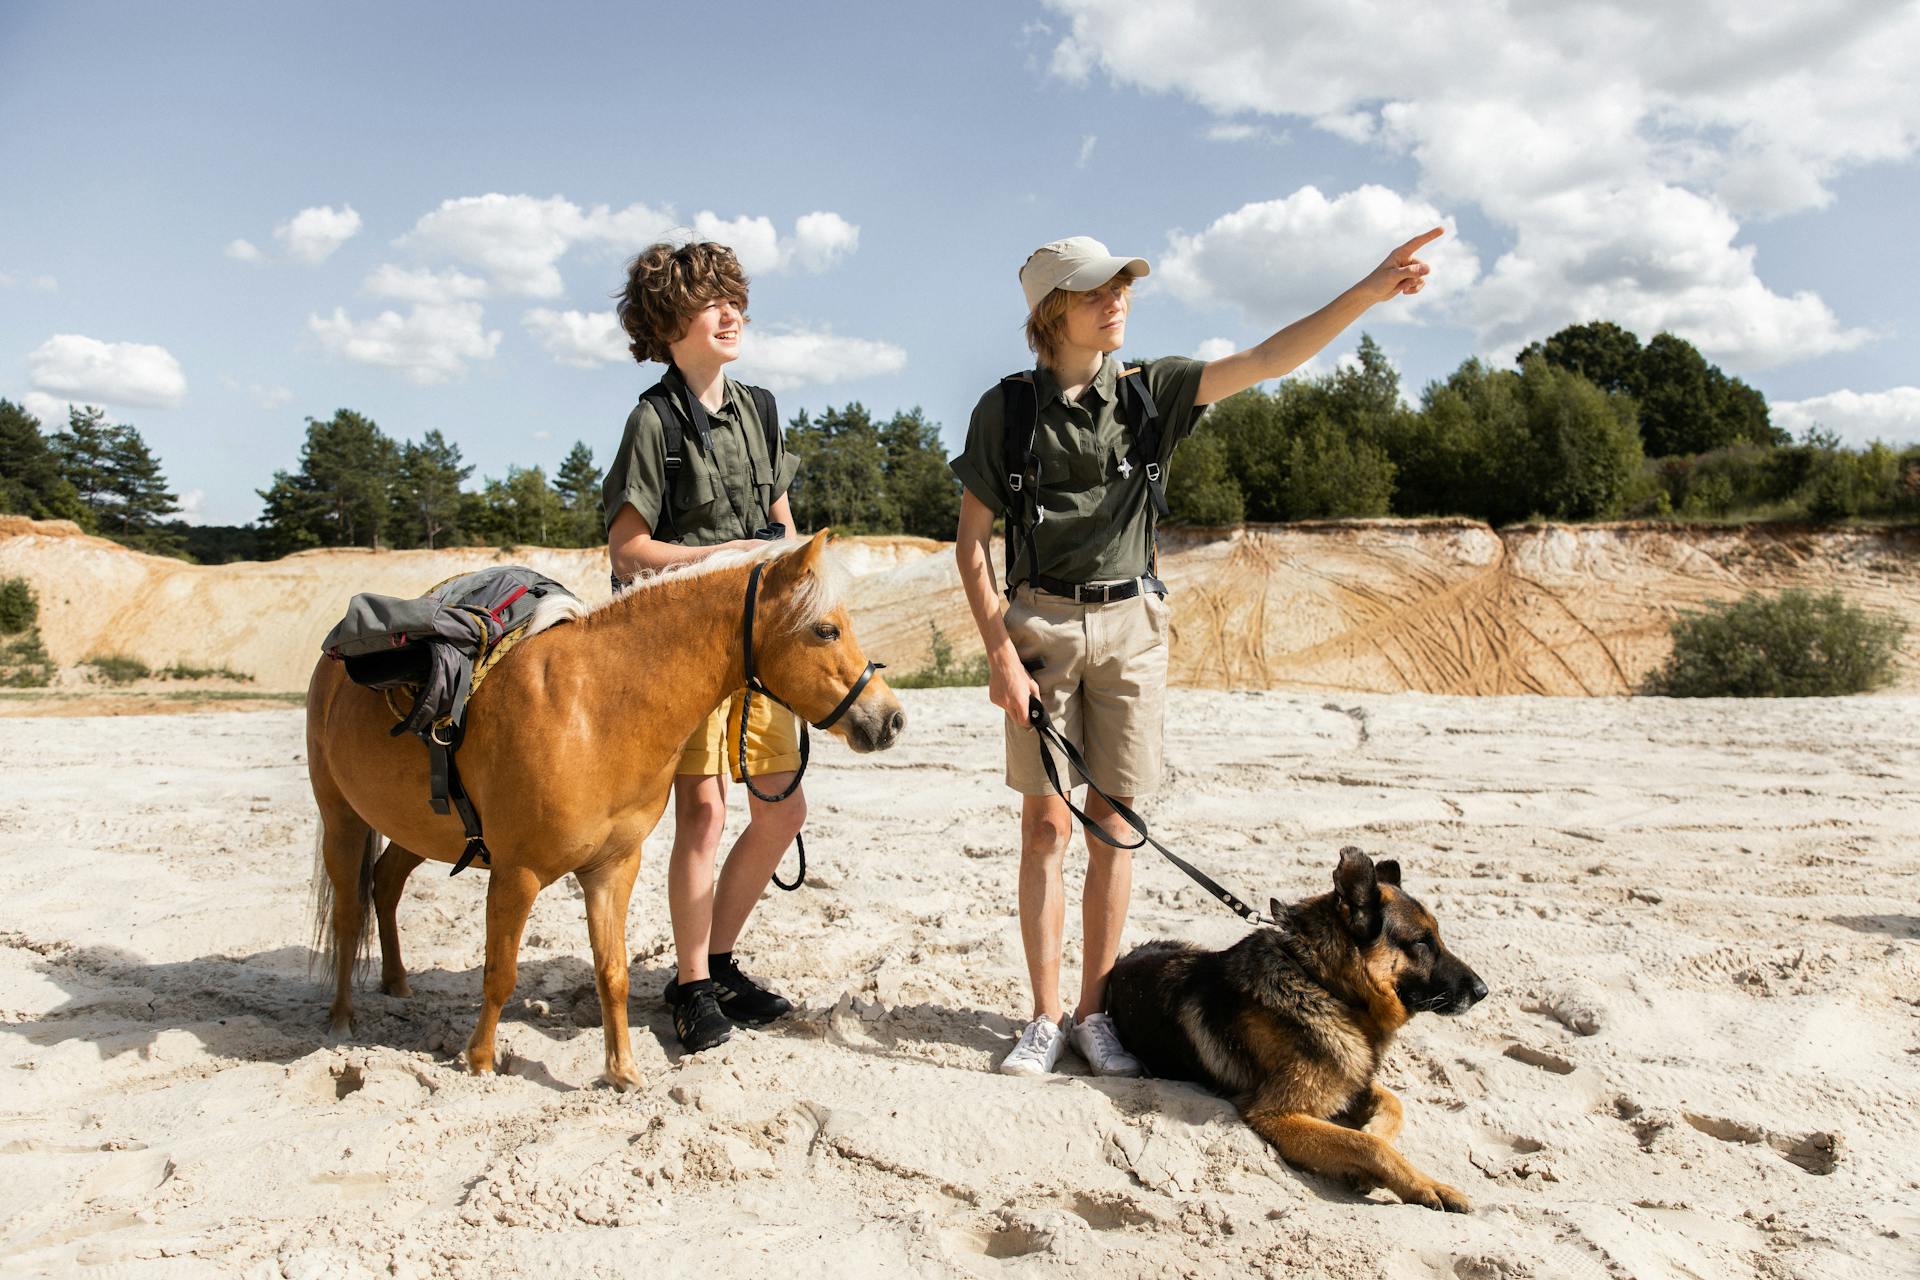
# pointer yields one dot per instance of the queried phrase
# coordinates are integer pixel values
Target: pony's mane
(817, 595)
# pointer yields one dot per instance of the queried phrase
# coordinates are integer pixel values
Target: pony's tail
(326, 946)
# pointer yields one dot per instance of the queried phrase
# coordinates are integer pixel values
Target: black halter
(753, 686)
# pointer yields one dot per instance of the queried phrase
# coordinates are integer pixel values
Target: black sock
(718, 960)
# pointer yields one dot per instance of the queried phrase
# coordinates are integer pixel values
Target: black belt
(1098, 593)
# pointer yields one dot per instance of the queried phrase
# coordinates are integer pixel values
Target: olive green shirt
(716, 498)
(1096, 519)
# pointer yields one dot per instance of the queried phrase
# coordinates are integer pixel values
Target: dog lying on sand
(1291, 1022)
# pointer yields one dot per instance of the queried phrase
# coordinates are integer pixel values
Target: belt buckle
(1101, 594)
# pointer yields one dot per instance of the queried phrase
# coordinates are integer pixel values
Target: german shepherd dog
(1291, 1022)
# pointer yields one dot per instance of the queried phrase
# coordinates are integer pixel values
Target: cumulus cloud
(244, 251)
(582, 339)
(409, 285)
(789, 358)
(1087, 144)
(131, 374)
(519, 240)
(1275, 259)
(312, 235)
(52, 411)
(1215, 348)
(1857, 417)
(1618, 144)
(431, 343)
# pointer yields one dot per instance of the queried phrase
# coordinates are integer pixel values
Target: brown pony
(569, 757)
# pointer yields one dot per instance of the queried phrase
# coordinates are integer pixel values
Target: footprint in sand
(1817, 1151)
(1539, 1058)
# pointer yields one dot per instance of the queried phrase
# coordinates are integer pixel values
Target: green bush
(19, 611)
(1793, 645)
(1200, 485)
(943, 672)
(118, 668)
(24, 663)
(182, 671)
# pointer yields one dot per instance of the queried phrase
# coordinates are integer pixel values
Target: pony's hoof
(339, 1029)
(623, 1079)
(480, 1063)
(397, 988)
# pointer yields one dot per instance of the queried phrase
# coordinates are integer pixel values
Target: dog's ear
(1387, 871)
(1358, 886)
(1273, 908)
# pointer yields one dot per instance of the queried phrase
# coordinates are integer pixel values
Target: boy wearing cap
(725, 489)
(1085, 624)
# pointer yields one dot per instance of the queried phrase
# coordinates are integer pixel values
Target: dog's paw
(1438, 1195)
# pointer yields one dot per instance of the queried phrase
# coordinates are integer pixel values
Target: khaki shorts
(1103, 683)
(773, 740)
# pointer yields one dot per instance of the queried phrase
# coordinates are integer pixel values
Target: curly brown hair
(667, 286)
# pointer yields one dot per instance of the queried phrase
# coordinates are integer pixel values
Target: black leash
(1043, 727)
(753, 686)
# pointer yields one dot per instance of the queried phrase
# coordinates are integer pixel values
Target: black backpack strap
(1143, 424)
(1020, 420)
(661, 398)
(769, 415)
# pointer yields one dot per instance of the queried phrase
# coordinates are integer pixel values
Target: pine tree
(921, 490)
(30, 479)
(139, 489)
(85, 453)
(340, 497)
(426, 492)
(578, 486)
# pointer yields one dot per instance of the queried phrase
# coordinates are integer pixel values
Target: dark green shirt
(1096, 522)
(716, 498)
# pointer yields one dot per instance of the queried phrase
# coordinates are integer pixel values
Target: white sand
(1699, 1057)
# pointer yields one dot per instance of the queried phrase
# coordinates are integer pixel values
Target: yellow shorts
(773, 740)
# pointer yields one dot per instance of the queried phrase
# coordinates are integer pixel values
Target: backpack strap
(1020, 420)
(661, 398)
(1143, 424)
(769, 415)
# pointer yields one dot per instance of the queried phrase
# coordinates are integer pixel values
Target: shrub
(1793, 645)
(24, 663)
(118, 668)
(1331, 475)
(1200, 485)
(19, 611)
(182, 671)
(943, 672)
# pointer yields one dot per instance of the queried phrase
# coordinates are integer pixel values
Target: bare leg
(1103, 908)
(608, 888)
(771, 828)
(1325, 1147)
(389, 882)
(699, 816)
(1045, 825)
(346, 844)
(510, 894)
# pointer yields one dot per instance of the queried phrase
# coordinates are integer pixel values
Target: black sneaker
(697, 1019)
(743, 999)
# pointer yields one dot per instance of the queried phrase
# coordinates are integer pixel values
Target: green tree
(1333, 472)
(578, 486)
(341, 495)
(30, 479)
(1200, 487)
(922, 490)
(85, 453)
(139, 489)
(842, 478)
(426, 492)
(1600, 351)
(1585, 454)
(522, 510)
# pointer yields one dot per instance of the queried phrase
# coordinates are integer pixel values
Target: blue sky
(220, 219)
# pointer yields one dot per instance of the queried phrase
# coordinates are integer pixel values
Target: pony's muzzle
(875, 722)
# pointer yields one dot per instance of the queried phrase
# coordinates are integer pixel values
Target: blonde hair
(1048, 321)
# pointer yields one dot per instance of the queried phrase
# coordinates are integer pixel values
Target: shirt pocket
(694, 491)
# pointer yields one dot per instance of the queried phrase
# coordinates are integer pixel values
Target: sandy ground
(1699, 1057)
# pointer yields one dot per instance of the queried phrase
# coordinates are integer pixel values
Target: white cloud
(582, 339)
(131, 374)
(519, 240)
(1087, 144)
(193, 507)
(784, 359)
(431, 343)
(262, 396)
(1240, 131)
(51, 410)
(405, 285)
(1215, 348)
(542, 434)
(312, 235)
(1278, 259)
(1618, 144)
(1857, 417)
(244, 251)
(40, 284)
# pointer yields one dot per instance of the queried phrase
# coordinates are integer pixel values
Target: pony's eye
(826, 631)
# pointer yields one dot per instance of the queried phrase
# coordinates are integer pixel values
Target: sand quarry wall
(1435, 606)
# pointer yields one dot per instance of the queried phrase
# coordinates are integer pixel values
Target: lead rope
(1037, 718)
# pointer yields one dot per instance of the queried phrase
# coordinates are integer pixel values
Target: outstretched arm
(1400, 272)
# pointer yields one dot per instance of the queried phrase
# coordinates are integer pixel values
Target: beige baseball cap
(1077, 263)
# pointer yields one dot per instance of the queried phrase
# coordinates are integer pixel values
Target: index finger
(1423, 239)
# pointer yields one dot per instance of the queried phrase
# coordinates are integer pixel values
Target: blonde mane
(818, 594)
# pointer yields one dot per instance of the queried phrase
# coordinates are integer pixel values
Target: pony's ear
(803, 563)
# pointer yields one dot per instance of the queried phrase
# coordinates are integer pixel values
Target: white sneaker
(1038, 1050)
(1100, 1045)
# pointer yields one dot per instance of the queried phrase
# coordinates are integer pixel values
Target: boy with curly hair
(701, 468)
